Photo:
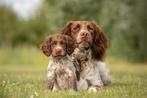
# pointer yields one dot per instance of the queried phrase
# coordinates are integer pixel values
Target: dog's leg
(104, 73)
(50, 79)
(94, 89)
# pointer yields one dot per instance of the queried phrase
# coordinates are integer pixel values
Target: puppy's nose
(84, 34)
(58, 51)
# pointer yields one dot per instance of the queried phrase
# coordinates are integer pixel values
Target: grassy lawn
(23, 74)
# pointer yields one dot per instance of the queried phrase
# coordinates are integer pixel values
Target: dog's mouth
(83, 41)
(84, 45)
(60, 56)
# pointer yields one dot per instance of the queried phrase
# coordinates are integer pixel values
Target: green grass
(23, 74)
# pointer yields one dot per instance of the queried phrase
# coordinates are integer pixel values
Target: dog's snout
(84, 34)
(58, 50)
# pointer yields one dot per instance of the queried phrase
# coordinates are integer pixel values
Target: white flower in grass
(3, 83)
(32, 96)
(36, 93)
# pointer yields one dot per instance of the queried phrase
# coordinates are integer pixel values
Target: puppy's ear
(70, 45)
(67, 28)
(46, 46)
(100, 42)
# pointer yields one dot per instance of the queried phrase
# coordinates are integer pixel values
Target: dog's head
(57, 45)
(87, 33)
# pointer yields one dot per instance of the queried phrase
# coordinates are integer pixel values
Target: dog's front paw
(94, 89)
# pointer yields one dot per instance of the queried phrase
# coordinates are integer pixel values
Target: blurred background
(25, 23)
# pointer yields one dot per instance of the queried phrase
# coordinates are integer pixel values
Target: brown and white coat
(93, 72)
(61, 71)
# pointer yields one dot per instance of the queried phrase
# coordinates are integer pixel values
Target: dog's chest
(80, 55)
(83, 61)
(62, 66)
(64, 72)
(82, 58)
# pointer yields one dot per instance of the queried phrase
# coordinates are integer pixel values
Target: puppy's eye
(61, 43)
(54, 43)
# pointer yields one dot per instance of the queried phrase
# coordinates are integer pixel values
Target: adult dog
(90, 36)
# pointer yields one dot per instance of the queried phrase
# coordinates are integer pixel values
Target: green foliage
(15, 32)
(127, 31)
(123, 21)
(79, 10)
(7, 18)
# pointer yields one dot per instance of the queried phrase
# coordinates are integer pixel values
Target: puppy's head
(57, 45)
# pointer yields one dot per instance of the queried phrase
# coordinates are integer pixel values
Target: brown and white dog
(90, 39)
(61, 71)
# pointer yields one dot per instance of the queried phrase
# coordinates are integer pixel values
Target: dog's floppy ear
(67, 28)
(100, 42)
(70, 46)
(46, 46)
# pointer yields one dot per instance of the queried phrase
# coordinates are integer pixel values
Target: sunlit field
(23, 74)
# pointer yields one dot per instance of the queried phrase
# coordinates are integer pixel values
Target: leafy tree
(123, 21)
(15, 32)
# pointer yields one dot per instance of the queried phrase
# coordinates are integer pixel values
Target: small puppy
(61, 71)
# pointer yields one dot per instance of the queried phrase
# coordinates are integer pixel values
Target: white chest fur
(62, 73)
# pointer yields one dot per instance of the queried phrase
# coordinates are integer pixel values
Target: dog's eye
(76, 28)
(61, 43)
(54, 43)
(90, 29)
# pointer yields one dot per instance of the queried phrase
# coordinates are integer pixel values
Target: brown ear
(67, 28)
(70, 46)
(100, 42)
(45, 46)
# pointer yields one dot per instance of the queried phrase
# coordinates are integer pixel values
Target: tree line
(123, 21)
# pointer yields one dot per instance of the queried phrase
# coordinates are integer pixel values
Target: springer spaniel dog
(91, 44)
(61, 71)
